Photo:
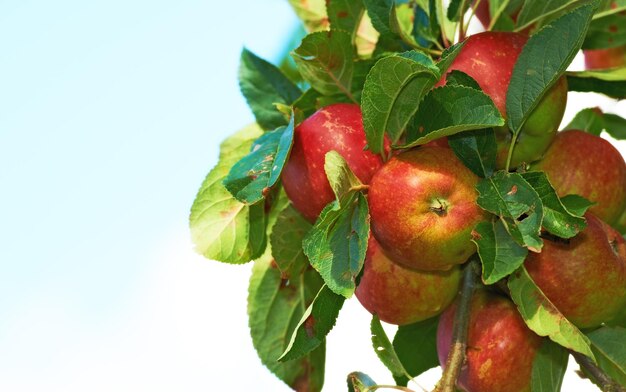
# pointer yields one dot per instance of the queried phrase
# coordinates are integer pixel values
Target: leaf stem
(606, 383)
(396, 387)
(456, 356)
(474, 6)
(461, 20)
(510, 154)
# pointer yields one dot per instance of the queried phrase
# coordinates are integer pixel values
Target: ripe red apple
(605, 58)
(423, 209)
(500, 347)
(584, 164)
(337, 127)
(399, 295)
(585, 276)
(489, 58)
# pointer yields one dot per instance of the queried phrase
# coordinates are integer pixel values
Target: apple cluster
(423, 210)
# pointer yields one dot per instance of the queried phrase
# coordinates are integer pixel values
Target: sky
(111, 114)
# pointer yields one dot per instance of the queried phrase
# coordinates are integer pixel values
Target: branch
(456, 357)
(605, 382)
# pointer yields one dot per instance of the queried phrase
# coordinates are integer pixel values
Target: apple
(400, 296)
(500, 347)
(587, 165)
(585, 276)
(489, 58)
(605, 58)
(423, 209)
(337, 127)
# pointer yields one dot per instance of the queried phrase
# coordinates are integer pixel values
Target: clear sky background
(110, 117)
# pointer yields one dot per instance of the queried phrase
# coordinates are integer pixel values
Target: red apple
(585, 276)
(500, 347)
(584, 164)
(399, 295)
(489, 58)
(423, 209)
(605, 58)
(337, 127)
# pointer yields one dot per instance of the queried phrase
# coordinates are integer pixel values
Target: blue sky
(111, 113)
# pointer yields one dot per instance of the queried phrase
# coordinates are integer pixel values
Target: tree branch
(605, 382)
(456, 356)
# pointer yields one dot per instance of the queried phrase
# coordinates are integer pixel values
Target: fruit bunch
(424, 172)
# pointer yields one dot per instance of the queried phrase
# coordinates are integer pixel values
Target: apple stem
(605, 382)
(362, 187)
(456, 356)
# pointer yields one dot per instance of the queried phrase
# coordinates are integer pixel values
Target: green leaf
(609, 347)
(416, 347)
(324, 60)
(449, 110)
(459, 78)
(254, 175)
(615, 126)
(533, 12)
(360, 382)
(315, 324)
(264, 85)
(385, 351)
(576, 205)
(222, 228)
(476, 149)
(337, 243)
(391, 95)
(274, 310)
(556, 45)
(448, 56)
(340, 177)
(606, 32)
(549, 367)
(556, 218)
(379, 12)
(345, 15)
(590, 120)
(542, 316)
(610, 82)
(286, 241)
(518, 205)
(499, 254)
(457, 8)
(312, 13)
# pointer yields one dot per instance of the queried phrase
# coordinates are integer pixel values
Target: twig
(605, 382)
(396, 387)
(456, 356)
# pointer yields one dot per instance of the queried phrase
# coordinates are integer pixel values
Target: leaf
(449, 110)
(312, 13)
(345, 15)
(274, 309)
(615, 126)
(576, 205)
(476, 149)
(549, 367)
(499, 254)
(606, 32)
(519, 206)
(534, 11)
(337, 243)
(416, 347)
(315, 324)
(340, 177)
(222, 228)
(610, 82)
(457, 8)
(385, 351)
(392, 92)
(556, 218)
(556, 45)
(250, 179)
(609, 347)
(360, 382)
(379, 12)
(590, 120)
(542, 316)
(459, 78)
(324, 60)
(264, 85)
(286, 241)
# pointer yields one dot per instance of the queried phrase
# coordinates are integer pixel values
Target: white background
(110, 116)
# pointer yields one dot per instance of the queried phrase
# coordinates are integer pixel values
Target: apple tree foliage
(387, 56)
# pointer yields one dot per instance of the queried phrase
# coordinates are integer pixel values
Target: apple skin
(585, 276)
(587, 165)
(489, 58)
(423, 209)
(500, 347)
(400, 296)
(605, 58)
(337, 127)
